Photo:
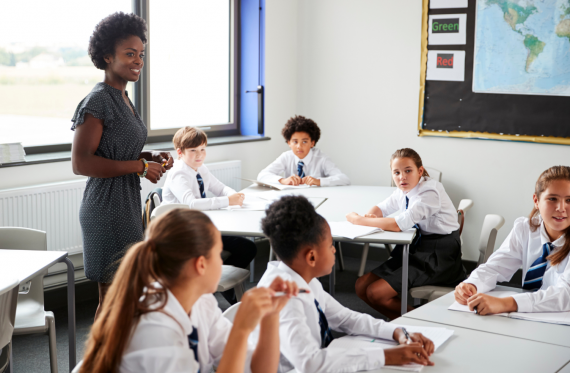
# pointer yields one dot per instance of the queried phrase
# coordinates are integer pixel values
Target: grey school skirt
(434, 259)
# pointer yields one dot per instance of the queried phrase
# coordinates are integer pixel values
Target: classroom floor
(31, 354)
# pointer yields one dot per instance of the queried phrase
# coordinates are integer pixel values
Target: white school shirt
(181, 186)
(300, 333)
(429, 207)
(316, 163)
(521, 248)
(159, 342)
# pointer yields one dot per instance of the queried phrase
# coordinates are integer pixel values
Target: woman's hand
(406, 354)
(155, 171)
(255, 304)
(236, 199)
(164, 158)
(290, 289)
(488, 305)
(353, 217)
(463, 291)
(309, 180)
(425, 342)
(291, 180)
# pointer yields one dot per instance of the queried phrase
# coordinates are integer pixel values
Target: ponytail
(409, 153)
(545, 179)
(171, 241)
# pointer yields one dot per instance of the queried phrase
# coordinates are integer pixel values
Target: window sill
(166, 145)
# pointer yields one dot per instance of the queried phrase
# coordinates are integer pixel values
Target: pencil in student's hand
(281, 293)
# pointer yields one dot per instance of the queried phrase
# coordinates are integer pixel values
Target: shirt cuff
(404, 221)
(387, 331)
(523, 302)
(224, 201)
(325, 182)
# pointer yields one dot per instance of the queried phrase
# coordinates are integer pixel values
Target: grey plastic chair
(491, 226)
(8, 302)
(31, 317)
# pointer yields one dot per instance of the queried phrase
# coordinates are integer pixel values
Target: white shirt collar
(175, 309)
(544, 236)
(187, 168)
(415, 190)
(294, 275)
(305, 160)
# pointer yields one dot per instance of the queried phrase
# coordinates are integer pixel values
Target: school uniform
(435, 254)
(315, 164)
(305, 325)
(185, 185)
(170, 341)
(528, 249)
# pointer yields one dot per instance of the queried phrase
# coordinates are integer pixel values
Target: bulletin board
(452, 105)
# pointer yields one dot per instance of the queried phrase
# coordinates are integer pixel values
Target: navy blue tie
(417, 239)
(300, 171)
(193, 342)
(201, 184)
(533, 278)
(326, 333)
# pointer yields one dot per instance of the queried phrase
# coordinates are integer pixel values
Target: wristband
(143, 175)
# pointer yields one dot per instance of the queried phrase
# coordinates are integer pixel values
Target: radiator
(54, 208)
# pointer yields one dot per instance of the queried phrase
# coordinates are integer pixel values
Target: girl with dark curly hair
(107, 147)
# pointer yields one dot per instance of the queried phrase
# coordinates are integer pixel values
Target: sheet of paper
(446, 65)
(438, 335)
(560, 318)
(250, 203)
(447, 29)
(349, 230)
(496, 293)
(444, 4)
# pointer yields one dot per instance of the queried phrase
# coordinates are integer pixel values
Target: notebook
(349, 230)
(438, 335)
(560, 318)
(277, 186)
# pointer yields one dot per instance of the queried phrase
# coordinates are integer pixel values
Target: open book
(277, 186)
(437, 335)
(349, 230)
(561, 318)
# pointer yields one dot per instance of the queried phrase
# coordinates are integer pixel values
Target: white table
(27, 264)
(340, 201)
(437, 312)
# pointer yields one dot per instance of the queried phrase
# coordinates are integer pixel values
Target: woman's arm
(267, 352)
(85, 162)
(387, 224)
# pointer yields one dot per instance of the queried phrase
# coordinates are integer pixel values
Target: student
(435, 254)
(188, 182)
(304, 164)
(302, 239)
(160, 316)
(540, 244)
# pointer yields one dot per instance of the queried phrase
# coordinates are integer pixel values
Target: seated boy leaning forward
(303, 164)
(307, 321)
(187, 183)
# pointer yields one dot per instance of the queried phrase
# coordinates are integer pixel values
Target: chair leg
(50, 320)
(363, 259)
(239, 289)
(10, 358)
(389, 247)
(252, 270)
(340, 257)
(271, 254)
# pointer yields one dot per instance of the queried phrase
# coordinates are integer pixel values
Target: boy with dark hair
(304, 164)
(302, 239)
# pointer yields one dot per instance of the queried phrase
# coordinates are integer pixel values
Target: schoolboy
(303, 164)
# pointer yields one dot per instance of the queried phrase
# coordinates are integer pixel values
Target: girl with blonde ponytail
(160, 315)
(540, 244)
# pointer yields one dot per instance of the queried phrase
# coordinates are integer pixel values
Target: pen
(475, 308)
(281, 293)
(407, 335)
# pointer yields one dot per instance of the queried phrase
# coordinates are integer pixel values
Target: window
(44, 67)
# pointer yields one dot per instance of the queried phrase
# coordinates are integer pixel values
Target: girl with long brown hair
(540, 244)
(160, 315)
(435, 254)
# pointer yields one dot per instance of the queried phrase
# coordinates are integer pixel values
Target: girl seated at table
(540, 244)
(435, 253)
(160, 314)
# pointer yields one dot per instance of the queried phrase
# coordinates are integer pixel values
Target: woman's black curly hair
(291, 223)
(111, 30)
(301, 124)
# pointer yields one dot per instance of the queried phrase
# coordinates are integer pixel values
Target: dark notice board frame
(452, 109)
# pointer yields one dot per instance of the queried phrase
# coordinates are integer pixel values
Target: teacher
(107, 147)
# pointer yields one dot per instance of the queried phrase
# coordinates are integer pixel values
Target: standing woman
(107, 147)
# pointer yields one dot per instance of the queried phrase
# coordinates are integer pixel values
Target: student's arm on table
(273, 172)
(333, 175)
(181, 187)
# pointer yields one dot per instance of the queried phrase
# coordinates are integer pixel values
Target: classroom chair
(491, 226)
(232, 277)
(31, 317)
(8, 302)
(230, 313)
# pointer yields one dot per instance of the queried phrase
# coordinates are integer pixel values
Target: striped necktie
(326, 333)
(419, 236)
(300, 171)
(533, 278)
(193, 342)
(201, 184)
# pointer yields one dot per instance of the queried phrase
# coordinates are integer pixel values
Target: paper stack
(349, 230)
(11, 153)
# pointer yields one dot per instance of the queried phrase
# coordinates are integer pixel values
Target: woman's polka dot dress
(110, 212)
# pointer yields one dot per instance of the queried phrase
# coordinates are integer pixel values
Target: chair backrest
(163, 209)
(433, 173)
(491, 226)
(230, 313)
(464, 205)
(15, 238)
(8, 301)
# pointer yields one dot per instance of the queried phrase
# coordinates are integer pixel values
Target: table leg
(340, 257)
(252, 270)
(363, 260)
(405, 254)
(71, 312)
(332, 281)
